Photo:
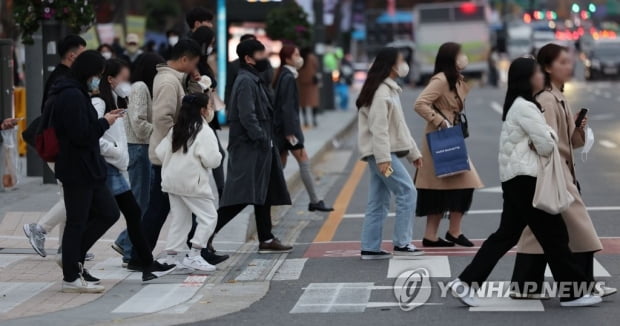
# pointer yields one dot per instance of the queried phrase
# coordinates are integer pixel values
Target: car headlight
(596, 64)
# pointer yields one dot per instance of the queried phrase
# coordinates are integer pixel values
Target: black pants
(262, 214)
(531, 268)
(218, 174)
(133, 217)
(157, 212)
(549, 230)
(91, 211)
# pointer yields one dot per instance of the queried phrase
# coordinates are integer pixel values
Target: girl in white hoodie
(188, 153)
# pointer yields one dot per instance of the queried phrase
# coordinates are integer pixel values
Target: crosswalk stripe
(599, 270)
(8, 259)
(438, 266)
(290, 269)
(15, 293)
(157, 297)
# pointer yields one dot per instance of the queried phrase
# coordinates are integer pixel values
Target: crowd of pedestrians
(137, 135)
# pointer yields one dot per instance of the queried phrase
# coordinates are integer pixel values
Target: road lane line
(497, 107)
(328, 230)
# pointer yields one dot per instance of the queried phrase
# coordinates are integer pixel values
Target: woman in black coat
(288, 134)
(255, 174)
(91, 209)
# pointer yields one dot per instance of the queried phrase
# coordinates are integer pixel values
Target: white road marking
(8, 259)
(396, 304)
(607, 143)
(290, 269)
(499, 211)
(333, 297)
(599, 270)
(607, 94)
(110, 269)
(15, 293)
(497, 107)
(492, 190)
(437, 266)
(157, 297)
(254, 270)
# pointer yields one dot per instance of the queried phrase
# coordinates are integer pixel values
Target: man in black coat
(68, 50)
(255, 174)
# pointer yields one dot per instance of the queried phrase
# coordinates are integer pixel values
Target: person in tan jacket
(383, 139)
(440, 104)
(584, 241)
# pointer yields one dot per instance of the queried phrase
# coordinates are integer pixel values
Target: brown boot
(273, 247)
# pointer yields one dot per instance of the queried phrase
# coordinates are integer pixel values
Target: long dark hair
(189, 121)
(446, 62)
(145, 69)
(113, 67)
(546, 56)
(285, 53)
(380, 70)
(519, 75)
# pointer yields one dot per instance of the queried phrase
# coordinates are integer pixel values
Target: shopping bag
(448, 151)
(551, 193)
(11, 158)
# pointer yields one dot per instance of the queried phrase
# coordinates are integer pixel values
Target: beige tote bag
(552, 194)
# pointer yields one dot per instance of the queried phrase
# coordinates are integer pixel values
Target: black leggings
(549, 230)
(133, 216)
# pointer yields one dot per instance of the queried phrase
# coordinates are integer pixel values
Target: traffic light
(527, 18)
(585, 15)
(592, 7)
(575, 8)
(551, 15)
(538, 15)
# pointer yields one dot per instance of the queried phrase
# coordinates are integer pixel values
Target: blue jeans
(401, 185)
(140, 178)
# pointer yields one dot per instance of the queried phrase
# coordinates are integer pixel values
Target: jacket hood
(165, 69)
(66, 83)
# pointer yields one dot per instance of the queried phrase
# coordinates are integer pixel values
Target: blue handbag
(448, 151)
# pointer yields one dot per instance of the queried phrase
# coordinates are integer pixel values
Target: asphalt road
(326, 283)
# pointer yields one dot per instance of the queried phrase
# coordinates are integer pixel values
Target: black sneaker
(375, 255)
(156, 270)
(211, 257)
(89, 278)
(461, 240)
(134, 266)
(408, 250)
(320, 206)
(437, 243)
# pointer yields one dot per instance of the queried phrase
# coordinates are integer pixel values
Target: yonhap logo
(412, 288)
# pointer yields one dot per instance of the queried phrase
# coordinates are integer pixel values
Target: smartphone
(582, 115)
(389, 172)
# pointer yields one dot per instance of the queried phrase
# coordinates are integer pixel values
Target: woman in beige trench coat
(440, 104)
(584, 241)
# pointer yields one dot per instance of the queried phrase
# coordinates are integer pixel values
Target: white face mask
(107, 55)
(588, 145)
(123, 89)
(462, 61)
(209, 50)
(402, 70)
(210, 115)
(299, 62)
(173, 40)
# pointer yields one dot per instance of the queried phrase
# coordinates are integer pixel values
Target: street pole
(222, 48)
(327, 89)
(34, 82)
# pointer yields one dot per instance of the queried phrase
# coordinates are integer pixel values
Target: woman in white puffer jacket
(525, 136)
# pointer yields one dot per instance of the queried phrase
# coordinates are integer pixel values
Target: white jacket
(113, 143)
(524, 125)
(187, 174)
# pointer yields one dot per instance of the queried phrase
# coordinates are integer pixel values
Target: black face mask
(261, 65)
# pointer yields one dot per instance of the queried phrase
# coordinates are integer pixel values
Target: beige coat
(382, 129)
(307, 83)
(439, 95)
(581, 232)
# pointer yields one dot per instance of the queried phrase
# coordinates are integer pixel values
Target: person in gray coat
(255, 174)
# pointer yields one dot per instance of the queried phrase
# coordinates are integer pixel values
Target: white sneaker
(529, 296)
(464, 293)
(198, 263)
(81, 286)
(606, 291)
(586, 300)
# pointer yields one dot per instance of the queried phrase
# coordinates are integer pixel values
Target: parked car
(603, 60)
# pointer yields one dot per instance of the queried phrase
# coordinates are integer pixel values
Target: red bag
(47, 144)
